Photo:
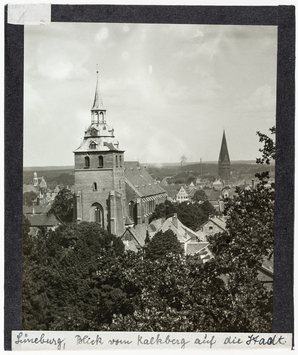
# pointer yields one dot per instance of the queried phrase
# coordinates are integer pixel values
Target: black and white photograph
(147, 202)
(149, 177)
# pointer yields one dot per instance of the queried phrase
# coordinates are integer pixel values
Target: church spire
(224, 164)
(98, 112)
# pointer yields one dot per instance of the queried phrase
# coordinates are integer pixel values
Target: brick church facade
(101, 185)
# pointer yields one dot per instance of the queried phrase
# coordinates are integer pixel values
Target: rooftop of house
(268, 264)
(39, 209)
(138, 233)
(29, 188)
(193, 248)
(182, 232)
(212, 195)
(42, 220)
(171, 190)
(220, 222)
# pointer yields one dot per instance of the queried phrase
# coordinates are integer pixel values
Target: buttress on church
(109, 190)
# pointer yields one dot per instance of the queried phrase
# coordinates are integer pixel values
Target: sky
(169, 90)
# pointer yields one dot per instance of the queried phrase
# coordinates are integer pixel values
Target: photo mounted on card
(155, 202)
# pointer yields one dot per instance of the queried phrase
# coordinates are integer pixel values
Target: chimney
(175, 220)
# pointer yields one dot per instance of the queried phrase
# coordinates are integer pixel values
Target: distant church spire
(98, 112)
(224, 164)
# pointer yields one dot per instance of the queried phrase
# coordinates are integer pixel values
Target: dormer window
(92, 145)
(87, 162)
(94, 132)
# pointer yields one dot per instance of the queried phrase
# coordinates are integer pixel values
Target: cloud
(125, 55)
(32, 98)
(262, 99)
(102, 34)
(198, 34)
(159, 147)
(203, 88)
(60, 69)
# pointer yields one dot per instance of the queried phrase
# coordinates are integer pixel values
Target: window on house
(210, 228)
(94, 186)
(87, 162)
(100, 161)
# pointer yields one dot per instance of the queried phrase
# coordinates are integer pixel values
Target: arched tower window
(133, 211)
(94, 186)
(119, 184)
(97, 214)
(116, 161)
(100, 161)
(120, 161)
(87, 162)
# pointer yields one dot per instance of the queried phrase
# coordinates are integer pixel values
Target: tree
(200, 196)
(78, 277)
(241, 249)
(163, 244)
(192, 215)
(28, 198)
(69, 293)
(163, 210)
(268, 151)
(62, 206)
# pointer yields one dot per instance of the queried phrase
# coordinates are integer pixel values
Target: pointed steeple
(224, 154)
(97, 104)
(98, 112)
(224, 164)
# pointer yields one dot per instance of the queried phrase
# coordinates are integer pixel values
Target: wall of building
(93, 186)
(109, 160)
(211, 228)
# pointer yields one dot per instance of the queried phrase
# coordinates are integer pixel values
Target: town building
(182, 195)
(108, 190)
(134, 238)
(212, 226)
(39, 218)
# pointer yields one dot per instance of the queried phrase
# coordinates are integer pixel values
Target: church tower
(99, 173)
(224, 164)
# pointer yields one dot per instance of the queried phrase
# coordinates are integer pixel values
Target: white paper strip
(29, 14)
(48, 340)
